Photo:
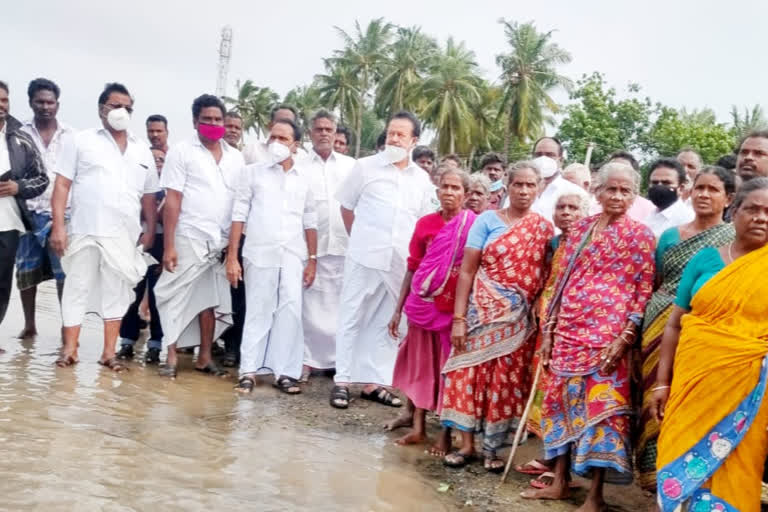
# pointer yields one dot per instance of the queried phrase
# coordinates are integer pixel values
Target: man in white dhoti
(112, 179)
(280, 255)
(192, 294)
(381, 200)
(326, 170)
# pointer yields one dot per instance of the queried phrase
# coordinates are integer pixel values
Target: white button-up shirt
(325, 176)
(107, 184)
(60, 149)
(208, 189)
(672, 216)
(277, 206)
(387, 202)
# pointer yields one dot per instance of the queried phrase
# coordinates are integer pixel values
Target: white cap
(546, 166)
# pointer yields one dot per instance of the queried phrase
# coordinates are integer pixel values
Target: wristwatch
(313, 257)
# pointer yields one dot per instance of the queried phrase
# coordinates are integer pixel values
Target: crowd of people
(401, 271)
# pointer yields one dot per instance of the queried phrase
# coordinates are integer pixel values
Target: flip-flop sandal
(382, 396)
(340, 397)
(458, 460)
(539, 482)
(65, 360)
(490, 467)
(113, 364)
(287, 385)
(245, 384)
(229, 360)
(168, 371)
(212, 369)
(534, 468)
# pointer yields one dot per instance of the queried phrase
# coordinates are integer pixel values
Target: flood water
(84, 438)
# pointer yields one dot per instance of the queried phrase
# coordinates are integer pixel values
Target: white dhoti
(101, 275)
(320, 313)
(272, 336)
(365, 352)
(198, 283)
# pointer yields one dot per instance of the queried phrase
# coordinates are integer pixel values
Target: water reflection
(84, 438)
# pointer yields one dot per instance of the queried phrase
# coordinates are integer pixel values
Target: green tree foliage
(674, 130)
(751, 120)
(596, 115)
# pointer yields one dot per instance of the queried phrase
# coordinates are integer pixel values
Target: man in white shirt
(257, 151)
(326, 170)
(112, 180)
(692, 163)
(36, 261)
(381, 200)
(666, 184)
(280, 255)
(192, 294)
(22, 177)
(555, 186)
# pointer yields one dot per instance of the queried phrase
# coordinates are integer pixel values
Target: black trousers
(9, 242)
(234, 335)
(129, 328)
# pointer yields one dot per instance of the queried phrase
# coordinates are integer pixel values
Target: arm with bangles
(469, 267)
(667, 350)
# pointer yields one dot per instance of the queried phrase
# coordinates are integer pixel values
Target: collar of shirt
(410, 168)
(672, 210)
(61, 128)
(279, 168)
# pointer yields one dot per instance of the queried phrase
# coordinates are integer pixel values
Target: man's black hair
(109, 89)
(205, 101)
(554, 139)
(157, 118)
(293, 125)
(343, 130)
(670, 163)
(404, 114)
(421, 152)
(42, 84)
(492, 158)
(283, 106)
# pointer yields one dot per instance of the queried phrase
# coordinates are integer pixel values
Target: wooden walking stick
(522, 426)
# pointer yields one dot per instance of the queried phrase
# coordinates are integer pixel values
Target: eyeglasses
(113, 106)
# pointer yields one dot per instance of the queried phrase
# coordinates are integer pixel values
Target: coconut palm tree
(449, 91)
(528, 76)
(254, 105)
(307, 100)
(752, 120)
(409, 60)
(363, 54)
(338, 89)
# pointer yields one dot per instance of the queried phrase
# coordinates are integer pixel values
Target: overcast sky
(692, 53)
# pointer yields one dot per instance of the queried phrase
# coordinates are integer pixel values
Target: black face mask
(662, 196)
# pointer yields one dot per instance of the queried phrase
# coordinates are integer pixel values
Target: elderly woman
(571, 206)
(591, 324)
(487, 373)
(711, 383)
(479, 193)
(711, 194)
(427, 295)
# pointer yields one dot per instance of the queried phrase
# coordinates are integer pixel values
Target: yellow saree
(713, 440)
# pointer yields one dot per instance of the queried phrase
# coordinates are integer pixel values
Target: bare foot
(548, 493)
(442, 446)
(412, 437)
(592, 506)
(403, 420)
(27, 333)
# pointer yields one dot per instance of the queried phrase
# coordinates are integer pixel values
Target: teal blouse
(667, 240)
(702, 267)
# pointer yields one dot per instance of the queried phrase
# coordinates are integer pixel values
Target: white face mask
(278, 152)
(119, 119)
(395, 154)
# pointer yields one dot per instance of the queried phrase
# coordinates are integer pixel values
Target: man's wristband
(313, 257)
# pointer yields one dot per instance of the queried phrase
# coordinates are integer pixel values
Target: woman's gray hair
(478, 179)
(577, 192)
(747, 188)
(516, 167)
(461, 173)
(611, 168)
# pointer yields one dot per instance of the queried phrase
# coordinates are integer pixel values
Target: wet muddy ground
(85, 439)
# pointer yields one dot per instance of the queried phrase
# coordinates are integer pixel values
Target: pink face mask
(211, 131)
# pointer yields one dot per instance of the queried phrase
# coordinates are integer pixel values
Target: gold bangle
(658, 388)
